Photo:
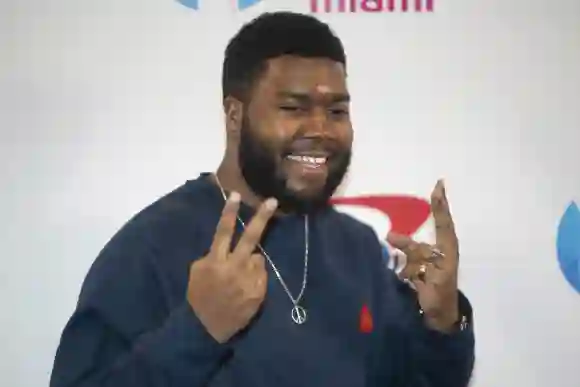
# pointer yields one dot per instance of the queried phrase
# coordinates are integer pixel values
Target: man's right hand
(226, 288)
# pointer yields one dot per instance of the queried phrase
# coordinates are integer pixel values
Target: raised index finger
(444, 227)
(253, 233)
(222, 239)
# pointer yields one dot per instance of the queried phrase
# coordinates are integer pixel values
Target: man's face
(296, 134)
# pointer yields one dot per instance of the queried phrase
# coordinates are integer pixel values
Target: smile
(309, 161)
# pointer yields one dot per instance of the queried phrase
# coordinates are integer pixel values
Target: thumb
(398, 241)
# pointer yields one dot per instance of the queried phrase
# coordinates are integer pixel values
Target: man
(248, 277)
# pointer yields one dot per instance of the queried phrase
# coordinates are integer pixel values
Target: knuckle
(425, 250)
(257, 285)
(214, 257)
(203, 264)
(258, 259)
(251, 263)
(259, 291)
(227, 272)
(262, 277)
(444, 224)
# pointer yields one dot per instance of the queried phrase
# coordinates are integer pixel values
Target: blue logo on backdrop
(242, 4)
(568, 245)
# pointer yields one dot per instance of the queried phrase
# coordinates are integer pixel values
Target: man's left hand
(433, 270)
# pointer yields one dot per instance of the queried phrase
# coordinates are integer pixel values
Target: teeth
(308, 159)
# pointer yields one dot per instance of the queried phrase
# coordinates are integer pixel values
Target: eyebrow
(305, 97)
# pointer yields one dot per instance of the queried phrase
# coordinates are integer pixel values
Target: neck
(231, 179)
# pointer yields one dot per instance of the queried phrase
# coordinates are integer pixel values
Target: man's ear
(234, 114)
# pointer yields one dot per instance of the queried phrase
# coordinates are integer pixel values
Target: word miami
(342, 6)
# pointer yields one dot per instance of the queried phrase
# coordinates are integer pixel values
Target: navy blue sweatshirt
(133, 327)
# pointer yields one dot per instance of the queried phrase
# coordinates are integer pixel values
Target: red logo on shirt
(366, 320)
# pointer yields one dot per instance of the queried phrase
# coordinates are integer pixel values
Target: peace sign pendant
(299, 314)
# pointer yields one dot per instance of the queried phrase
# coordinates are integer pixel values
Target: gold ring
(422, 272)
(436, 253)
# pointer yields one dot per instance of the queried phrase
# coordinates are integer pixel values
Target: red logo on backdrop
(406, 213)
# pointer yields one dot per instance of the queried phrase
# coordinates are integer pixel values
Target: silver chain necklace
(298, 312)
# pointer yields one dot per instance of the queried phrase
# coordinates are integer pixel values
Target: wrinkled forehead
(314, 77)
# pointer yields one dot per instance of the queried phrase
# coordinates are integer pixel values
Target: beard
(261, 167)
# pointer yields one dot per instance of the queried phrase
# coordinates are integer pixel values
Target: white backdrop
(107, 105)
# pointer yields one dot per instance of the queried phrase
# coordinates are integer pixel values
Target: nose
(318, 124)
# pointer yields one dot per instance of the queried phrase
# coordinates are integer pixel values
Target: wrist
(445, 322)
(455, 316)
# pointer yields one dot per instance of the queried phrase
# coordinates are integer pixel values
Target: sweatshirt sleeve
(122, 333)
(425, 357)
(433, 358)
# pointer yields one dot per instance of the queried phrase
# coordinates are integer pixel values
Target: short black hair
(272, 35)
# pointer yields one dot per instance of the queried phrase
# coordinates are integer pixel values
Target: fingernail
(234, 197)
(271, 204)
